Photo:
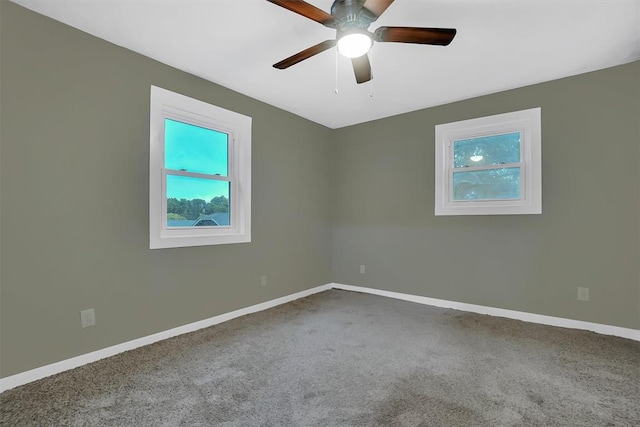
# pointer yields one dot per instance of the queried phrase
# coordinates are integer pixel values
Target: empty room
(319, 213)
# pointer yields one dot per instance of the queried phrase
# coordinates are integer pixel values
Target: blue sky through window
(490, 184)
(487, 150)
(195, 149)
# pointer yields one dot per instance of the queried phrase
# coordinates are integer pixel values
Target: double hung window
(200, 173)
(490, 165)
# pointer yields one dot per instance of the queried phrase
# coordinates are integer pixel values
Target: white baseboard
(74, 362)
(633, 334)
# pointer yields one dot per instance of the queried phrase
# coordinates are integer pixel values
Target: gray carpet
(347, 359)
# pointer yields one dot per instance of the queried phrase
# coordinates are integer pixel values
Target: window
(490, 165)
(199, 173)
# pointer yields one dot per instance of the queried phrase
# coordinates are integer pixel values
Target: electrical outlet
(263, 281)
(361, 269)
(583, 294)
(87, 317)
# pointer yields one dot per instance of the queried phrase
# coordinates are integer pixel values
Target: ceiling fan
(351, 20)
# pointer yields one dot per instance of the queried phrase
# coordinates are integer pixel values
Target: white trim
(74, 362)
(633, 334)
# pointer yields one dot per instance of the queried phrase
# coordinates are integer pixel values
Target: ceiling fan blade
(376, 7)
(362, 68)
(305, 54)
(308, 11)
(436, 36)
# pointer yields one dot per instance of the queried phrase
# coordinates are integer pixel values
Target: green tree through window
(192, 209)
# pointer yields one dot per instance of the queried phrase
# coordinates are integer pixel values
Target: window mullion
(487, 167)
(196, 175)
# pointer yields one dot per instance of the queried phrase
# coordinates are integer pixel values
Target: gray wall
(74, 175)
(588, 234)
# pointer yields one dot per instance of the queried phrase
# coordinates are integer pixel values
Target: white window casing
(170, 105)
(528, 124)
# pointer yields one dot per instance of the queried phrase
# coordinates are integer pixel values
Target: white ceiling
(501, 44)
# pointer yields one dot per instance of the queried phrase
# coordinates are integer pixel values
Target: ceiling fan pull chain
(336, 91)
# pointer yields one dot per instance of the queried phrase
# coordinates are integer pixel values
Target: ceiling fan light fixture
(354, 45)
(351, 20)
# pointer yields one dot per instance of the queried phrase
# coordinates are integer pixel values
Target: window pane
(195, 149)
(487, 150)
(488, 184)
(196, 202)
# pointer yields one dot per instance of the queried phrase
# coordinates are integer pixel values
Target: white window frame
(528, 123)
(170, 105)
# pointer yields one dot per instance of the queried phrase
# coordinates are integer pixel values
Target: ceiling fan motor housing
(351, 16)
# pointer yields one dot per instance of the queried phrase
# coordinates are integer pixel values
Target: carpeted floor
(347, 359)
